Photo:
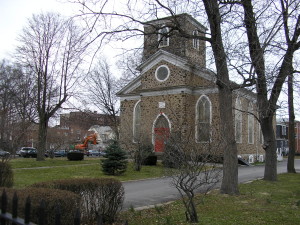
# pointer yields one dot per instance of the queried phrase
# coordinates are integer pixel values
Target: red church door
(161, 137)
(161, 134)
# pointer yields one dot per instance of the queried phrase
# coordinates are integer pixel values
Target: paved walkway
(147, 193)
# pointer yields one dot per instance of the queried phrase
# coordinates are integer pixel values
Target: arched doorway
(161, 133)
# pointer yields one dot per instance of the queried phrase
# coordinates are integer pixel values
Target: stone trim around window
(162, 73)
(206, 123)
(163, 38)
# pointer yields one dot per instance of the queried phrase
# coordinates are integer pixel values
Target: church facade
(175, 95)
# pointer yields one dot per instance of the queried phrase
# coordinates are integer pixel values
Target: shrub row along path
(148, 193)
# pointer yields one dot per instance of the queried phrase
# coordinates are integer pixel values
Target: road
(144, 193)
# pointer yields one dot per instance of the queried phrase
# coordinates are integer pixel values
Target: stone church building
(176, 96)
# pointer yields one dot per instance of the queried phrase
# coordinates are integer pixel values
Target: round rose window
(162, 73)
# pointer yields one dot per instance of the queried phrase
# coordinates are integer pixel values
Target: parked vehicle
(4, 154)
(95, 153)
(60, 153)
(28, 152)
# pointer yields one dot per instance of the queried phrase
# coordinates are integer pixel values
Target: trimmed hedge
(75, 156)
(6, 174)
(67, 201)
(99, 196)
(151, 160)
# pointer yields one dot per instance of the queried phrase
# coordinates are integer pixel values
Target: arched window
(261, 137)
(195, 40)
(136, 121)
(203, 119)
(163, 38)
(250, 124)
(238, 120)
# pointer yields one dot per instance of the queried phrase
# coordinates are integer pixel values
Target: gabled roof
(130, 86)
(162, 55)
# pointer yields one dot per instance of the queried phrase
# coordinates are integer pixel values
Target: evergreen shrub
(115, 162)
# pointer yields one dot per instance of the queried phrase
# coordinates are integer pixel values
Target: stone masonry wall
(180, 110)
(245, 148)
(178, 77)
(178, 45)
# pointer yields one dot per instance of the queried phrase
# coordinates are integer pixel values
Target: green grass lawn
(260, 202)
(62, 161)
(29, 171)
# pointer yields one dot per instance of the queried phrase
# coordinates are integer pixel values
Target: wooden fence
(13, 219)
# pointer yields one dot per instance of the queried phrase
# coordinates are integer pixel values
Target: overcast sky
(14, 15)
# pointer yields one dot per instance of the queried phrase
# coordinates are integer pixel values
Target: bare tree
(230, 170)
(24, 91)
(52, 48)
(194, 170)
(102, 88)
(292, 134)
(128, 64)
(17, 109)
(6, 105)
(267, 104)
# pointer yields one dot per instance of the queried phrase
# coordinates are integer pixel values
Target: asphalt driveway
(145, 193)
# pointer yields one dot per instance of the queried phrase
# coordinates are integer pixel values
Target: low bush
(67, 201)
(6, 174)
(99, 196)
(151, 160)
(141, 152)
(75, 156)
(172, 156)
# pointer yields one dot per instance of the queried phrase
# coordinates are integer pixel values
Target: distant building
(74, 127)
(282, 136)
(104, 135)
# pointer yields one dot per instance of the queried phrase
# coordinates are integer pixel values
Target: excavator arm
(91, 138)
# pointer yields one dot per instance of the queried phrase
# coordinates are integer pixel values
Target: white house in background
(104, 135)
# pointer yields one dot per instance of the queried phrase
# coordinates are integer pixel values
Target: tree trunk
(270, 148)
(230, 164)
(42, 134)
(230, 168)
(291, 156)
(191, 213)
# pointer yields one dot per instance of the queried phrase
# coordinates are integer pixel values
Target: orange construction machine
(91, 138)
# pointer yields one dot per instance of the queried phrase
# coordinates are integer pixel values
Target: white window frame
(261, 136)
(283, 128)
(238, 119)
(163, 40)
(250, 123)
(134, 134)
(197, 118)
(196, 41)
(156, 76)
